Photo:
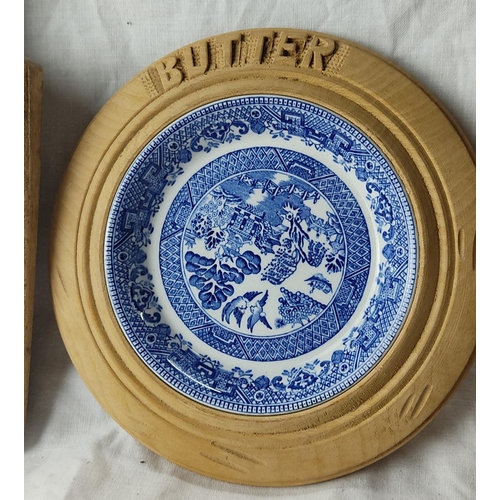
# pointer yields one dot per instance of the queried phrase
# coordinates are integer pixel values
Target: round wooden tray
(435, 345)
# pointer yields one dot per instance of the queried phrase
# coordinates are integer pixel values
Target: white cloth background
(88, 50)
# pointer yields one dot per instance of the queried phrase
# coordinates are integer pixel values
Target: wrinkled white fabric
(88, 50)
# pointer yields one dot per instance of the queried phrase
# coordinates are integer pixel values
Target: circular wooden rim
(436, 343)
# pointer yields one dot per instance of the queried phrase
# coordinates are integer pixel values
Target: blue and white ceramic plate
(261, 255)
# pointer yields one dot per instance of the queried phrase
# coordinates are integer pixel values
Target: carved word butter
(286, 48)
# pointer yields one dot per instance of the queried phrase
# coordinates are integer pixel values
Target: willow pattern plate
(261, 254)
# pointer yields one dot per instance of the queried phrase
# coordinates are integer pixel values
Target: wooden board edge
(33, 80)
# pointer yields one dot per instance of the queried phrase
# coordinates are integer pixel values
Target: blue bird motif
(257, 313)
(237, 307)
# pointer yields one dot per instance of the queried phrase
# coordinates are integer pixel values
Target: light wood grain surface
(432, 352)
